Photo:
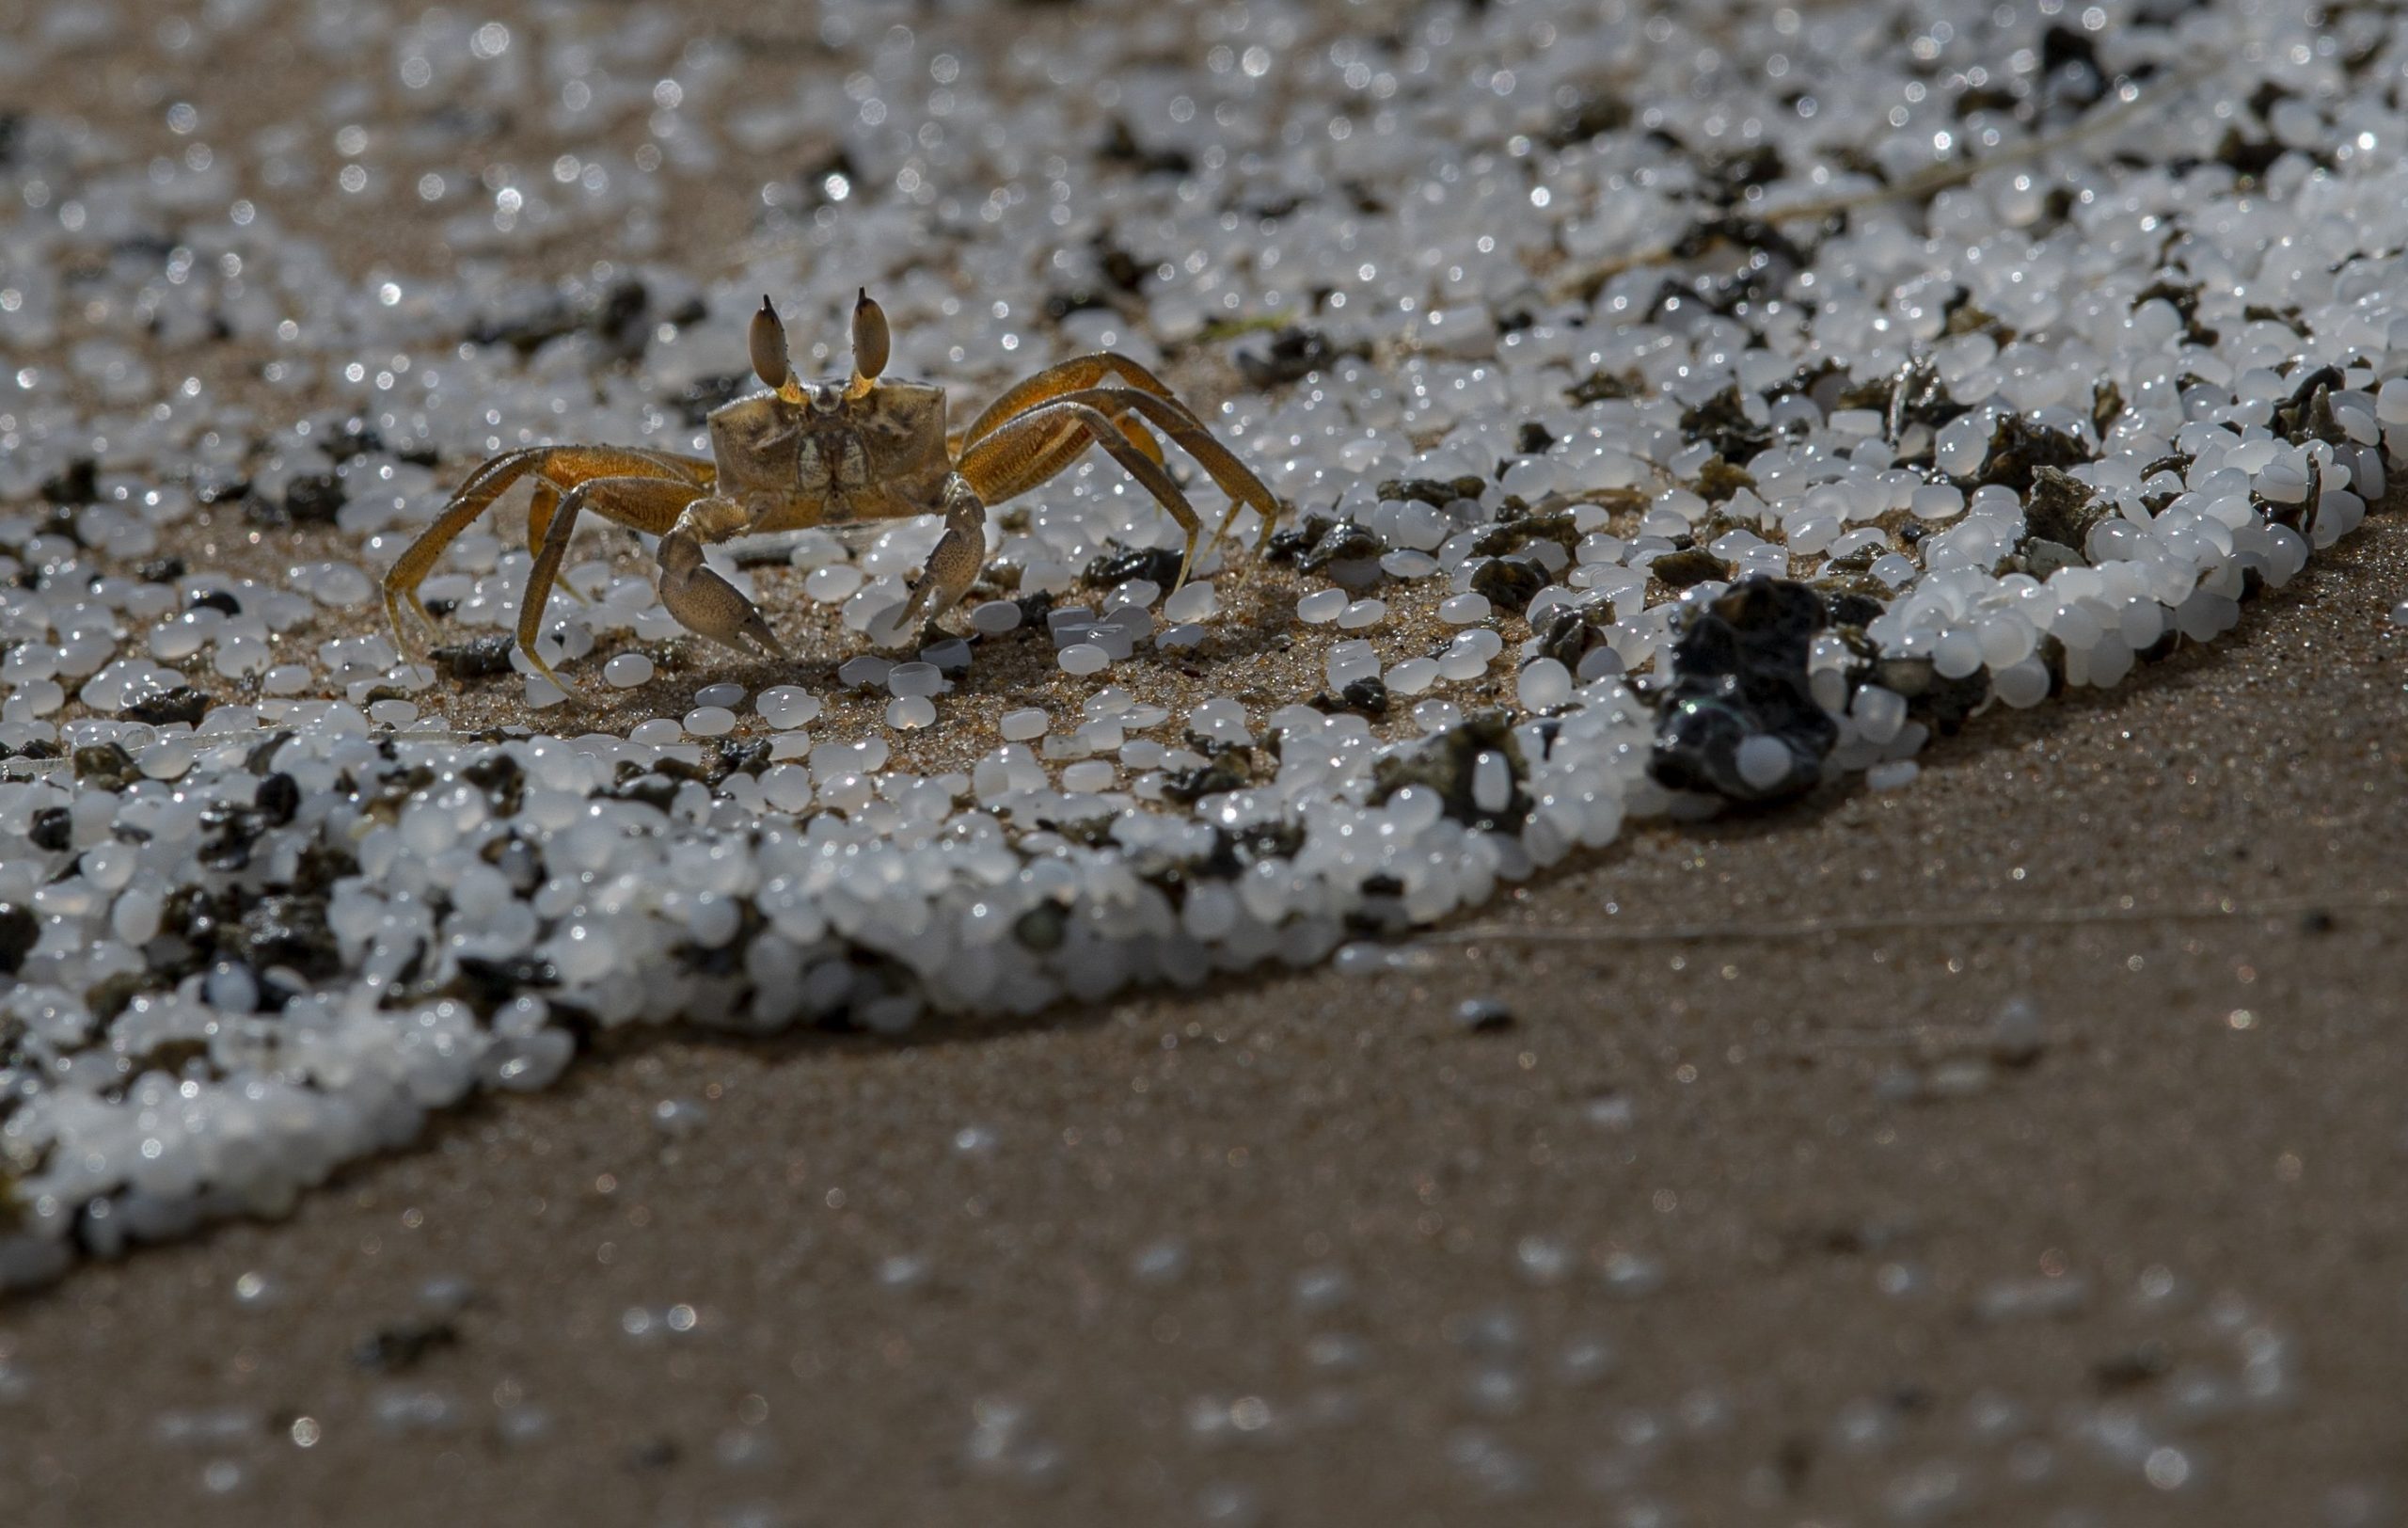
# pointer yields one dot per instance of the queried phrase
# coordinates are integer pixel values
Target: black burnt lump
(399, 1347)
(1519, 531)
(1224, 771)
(1738, 673)
(1510, 582)
(52, 829)
(1435, 492)
(78, 483)
(2019, 449)
(1598, 386)
(1938, 703)
(2307, 413)
(1157, 566)
(289, 931)
(105, 766)
(1295, 354)
(1448, 763)
(277, 798)
(1287, 545)
(2062, 508)
(310, 499)
(20, 930)
(1344, 542)
(1680, 569)
(181, 704)
(1368, 696)
(478, 658)
(1718, 480)
(1722, 421)
(1571, 635)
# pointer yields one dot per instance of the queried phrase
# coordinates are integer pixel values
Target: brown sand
(2219, 1098)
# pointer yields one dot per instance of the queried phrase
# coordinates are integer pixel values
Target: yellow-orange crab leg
(1232, 476)
(1076, 375)
(651, 504)
(562, 467)
(1030, 448)
(547, 498)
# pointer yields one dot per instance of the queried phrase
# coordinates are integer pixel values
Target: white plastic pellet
(1022, 725)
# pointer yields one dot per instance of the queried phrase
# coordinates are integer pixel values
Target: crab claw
(708, 605)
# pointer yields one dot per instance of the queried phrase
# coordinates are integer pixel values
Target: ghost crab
(806, 454)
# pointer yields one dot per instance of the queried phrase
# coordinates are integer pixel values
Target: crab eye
(869, 337)
(769, 344)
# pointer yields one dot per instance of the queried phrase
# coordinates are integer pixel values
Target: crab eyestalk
(869, 344)
(768, 345)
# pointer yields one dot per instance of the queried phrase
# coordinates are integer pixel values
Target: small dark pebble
(399, 1347)
(2316, 921)
(1483, 1016)
(217, 600)
(52, 829)
(19, 932)
(160, 570)
(181, 704)
(655, 1454)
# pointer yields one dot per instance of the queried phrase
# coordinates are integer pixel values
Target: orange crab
(829, 453)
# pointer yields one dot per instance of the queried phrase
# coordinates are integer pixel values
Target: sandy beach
(1747, 1206)
(1319, 1206)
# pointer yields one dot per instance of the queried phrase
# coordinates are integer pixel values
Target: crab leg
(650, 504)
(557, 468)
(1034, 447)
(695, 594)
(1077, 375)
(1232, 476)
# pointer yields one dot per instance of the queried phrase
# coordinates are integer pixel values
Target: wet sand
(1349, 1237)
